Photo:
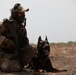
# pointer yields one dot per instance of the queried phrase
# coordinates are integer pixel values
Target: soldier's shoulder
(5, 20)
(9, 20)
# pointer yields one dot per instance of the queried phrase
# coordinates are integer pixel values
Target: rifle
(22, 42)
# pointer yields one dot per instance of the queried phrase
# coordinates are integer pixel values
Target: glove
(8, 44)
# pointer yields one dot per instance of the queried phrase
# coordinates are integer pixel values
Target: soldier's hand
(8, 44)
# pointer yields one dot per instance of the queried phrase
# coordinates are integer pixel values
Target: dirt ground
(62, 57)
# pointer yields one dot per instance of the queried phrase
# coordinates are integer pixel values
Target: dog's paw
(40, 70)
(60, 70)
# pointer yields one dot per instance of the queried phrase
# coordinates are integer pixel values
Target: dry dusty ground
(62, 57)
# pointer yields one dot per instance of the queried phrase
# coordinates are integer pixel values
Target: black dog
(42, 60)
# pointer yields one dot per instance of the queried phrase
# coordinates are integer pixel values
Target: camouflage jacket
(10, 29)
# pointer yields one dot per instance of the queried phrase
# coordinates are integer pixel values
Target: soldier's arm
(2, 29)
(5, 42)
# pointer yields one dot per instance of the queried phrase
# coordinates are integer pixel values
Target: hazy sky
(54, 18)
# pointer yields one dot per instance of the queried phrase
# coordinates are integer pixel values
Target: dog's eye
(45, 45)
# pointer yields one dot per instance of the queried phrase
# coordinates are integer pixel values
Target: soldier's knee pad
(10, 66)
(4, 66)
(8, 44)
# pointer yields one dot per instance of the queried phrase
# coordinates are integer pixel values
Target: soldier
(14, 43)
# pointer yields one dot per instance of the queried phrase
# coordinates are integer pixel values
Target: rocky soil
(63, 56)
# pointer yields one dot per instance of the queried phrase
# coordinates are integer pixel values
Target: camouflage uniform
(7, 49)
(15, 50)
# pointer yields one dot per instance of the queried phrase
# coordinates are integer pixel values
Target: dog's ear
(46, 39)
(39, 39)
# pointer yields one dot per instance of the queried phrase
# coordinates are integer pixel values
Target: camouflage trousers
(9, 63)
